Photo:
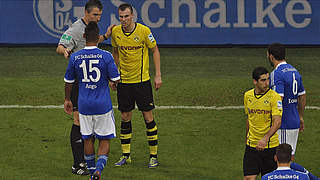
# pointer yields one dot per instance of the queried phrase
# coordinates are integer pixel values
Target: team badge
(136, 38)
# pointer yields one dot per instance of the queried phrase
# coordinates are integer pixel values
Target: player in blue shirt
(286, 81)
(93, 68)
(283, 158)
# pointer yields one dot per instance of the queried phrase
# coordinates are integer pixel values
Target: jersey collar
(284, 62)
(90, 47)
(283, 168)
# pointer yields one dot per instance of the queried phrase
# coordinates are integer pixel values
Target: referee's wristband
(105, 37)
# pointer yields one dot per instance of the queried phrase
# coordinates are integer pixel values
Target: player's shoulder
(76, 28)
(273, 93)
(249, 93)
(116, 28)
(143, 27)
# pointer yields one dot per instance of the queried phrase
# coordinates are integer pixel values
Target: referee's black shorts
(74, 95)
(255, 162)
(129, 94)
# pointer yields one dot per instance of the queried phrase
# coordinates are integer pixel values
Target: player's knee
(126, 116)
(148, 116)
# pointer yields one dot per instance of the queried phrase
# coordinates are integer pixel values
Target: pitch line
(157, 107)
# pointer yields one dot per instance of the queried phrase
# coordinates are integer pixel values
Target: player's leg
(289, 136)
(76, 141)
(86, 127)
(251, 163)
(126, 104)
(269, 164)
(144, 99)
(104, 129)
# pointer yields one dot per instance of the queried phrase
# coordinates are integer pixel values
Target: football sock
(152, 136)
(101, 162)
(125, 136)
(77, 145)
(91, 164)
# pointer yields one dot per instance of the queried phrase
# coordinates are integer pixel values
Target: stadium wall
(173, 22)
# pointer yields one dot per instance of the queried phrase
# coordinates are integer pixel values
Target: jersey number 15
(91, 69)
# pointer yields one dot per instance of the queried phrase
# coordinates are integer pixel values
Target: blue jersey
(287, 82)
(93, 68)
(285, 173)
(298, 167)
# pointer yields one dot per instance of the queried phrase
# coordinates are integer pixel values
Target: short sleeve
(69, 77)
(150, 40)
(67, 40)
(276, 105)
(245, 103)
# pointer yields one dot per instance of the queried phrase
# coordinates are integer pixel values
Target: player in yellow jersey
(131, 42)
(264, 109)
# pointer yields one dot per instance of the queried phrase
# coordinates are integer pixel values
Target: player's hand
(261, 144)
(301, 129)
(67, 53)
(113, 85)
(68, 107)
(157, 82)
(109, 31)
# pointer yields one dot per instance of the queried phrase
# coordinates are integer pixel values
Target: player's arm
(106, 35)
(274, 128)
(156, 61)
(67, 101)
(247, 130)
(63, 51)
(115, 54)
(302, 99)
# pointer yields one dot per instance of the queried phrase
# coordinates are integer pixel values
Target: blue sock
(101, 162)
(91, 163)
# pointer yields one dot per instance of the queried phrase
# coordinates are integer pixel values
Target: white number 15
(91, 69)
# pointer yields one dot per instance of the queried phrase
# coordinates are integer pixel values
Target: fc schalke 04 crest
(55, 16)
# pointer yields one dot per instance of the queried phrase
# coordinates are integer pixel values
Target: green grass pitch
(193, 143)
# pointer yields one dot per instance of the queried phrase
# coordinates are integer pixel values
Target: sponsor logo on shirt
(258, 111)
(131, 47)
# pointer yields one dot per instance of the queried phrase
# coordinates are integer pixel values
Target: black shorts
(255, 162)
(130, 94)
(74, 95)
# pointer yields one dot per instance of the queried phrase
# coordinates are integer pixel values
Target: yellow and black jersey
(133, 52)
(260, 109)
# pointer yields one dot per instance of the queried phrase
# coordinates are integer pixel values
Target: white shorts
(102, 126)
(289, 136)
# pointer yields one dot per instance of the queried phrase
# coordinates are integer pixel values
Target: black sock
(77, 145)
(125, 136)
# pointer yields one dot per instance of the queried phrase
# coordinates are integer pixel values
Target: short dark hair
(91, 32)
(93, 4)
(124, 6)
(284, 153)
(258, 71)
(277, 50)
